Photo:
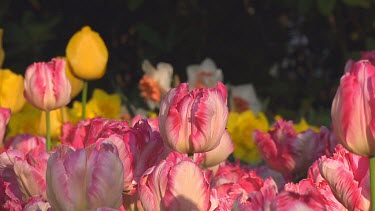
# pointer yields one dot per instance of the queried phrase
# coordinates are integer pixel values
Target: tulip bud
(87, 54)
(193, 122)
(11, 85)
(353, 109)
(46, 85)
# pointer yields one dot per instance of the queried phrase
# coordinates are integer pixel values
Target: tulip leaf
(326, 6)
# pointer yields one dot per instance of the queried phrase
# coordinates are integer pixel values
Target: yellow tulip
(2, 53)
(11, 90)
(57, 118)
(87, 54)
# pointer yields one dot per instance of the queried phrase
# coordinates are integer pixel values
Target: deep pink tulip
(291, 153)
(301, 196)
(217, 155)
(348, 176)
(193, 122)
(87, 178)
(353, 109)
(46, 85)
(169, 186)
(4, 119)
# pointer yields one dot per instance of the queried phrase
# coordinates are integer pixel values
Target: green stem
(48, 134)
(372, 181)
(84, 99)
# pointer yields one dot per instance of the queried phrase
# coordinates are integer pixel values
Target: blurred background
(292, 51)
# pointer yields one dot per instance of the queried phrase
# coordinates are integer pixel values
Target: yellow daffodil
(32, 121)
(87, 54)
(101, 104)
(2, 53)
(240, 127)
(11, 90)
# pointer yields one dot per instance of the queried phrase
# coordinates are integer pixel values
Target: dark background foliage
(293, 51)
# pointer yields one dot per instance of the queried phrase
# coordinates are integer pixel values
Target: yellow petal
(11, 90)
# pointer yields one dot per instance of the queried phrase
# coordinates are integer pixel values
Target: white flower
(243, 97)
(204, 75)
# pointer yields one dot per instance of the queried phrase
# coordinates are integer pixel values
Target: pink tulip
(46, 85)
(4, 119)
(291, 153)
(348, 176)
(217, 155)
(175, 185)
(26, 173)
(193, 122)
(87, 178)
(301, 196)
(25, 143)
(353, 109)
(37, 204)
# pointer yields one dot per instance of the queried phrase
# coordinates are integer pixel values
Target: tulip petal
(181, 194)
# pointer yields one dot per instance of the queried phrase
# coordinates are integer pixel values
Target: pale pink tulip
(26, 173)
(179, 185)
(37, 204)
(4, 119)
(25, 143)
(46, 85)
(87, 178)
(353, 109)
(193, 122)
(348, 176)
(217, 155)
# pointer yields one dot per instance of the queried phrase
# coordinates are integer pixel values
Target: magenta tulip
(46, 85)
(193, 122)
(88, 178)
(353, 109)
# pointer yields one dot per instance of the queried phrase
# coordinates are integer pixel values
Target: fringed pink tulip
(348, 176)
(353, 109)
(25, 173)
(193, 122)
(87, 178)
(288, 152)
(301, 196)
(4, 119)
(175, 185)
(25, 143)
(46, 85)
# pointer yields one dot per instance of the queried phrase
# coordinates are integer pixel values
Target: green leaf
(326, 6)
(358, 3)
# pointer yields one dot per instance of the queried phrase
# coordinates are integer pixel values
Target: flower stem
(84, 99)
(372, 182)
(48, 134)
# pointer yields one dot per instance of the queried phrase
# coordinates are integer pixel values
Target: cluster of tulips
(178, 160)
